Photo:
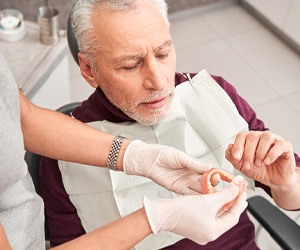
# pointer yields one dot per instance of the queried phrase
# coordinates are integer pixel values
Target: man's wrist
(287, 196)
(289, 184)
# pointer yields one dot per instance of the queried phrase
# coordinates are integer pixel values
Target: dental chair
(281, 228)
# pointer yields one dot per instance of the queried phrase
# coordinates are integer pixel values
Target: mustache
(157, 95)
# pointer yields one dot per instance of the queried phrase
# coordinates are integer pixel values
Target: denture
(207, 187)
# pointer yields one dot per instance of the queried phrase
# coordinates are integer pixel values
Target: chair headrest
(73, 46)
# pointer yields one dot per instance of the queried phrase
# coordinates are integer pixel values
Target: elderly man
(127, 54)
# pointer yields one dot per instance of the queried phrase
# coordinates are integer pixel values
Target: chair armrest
(282, 228)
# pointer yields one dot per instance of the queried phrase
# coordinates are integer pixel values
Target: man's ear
(87, 71)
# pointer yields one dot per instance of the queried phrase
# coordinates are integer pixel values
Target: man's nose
(154, 79)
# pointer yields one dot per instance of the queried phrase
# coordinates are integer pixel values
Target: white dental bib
(202, 122)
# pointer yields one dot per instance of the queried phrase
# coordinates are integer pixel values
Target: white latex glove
(196, 217)
(167, 166)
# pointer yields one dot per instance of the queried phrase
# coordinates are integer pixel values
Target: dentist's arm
(196, 217)
(3, 239)
(61, 137)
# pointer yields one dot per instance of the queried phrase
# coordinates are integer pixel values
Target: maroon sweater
(63, 221)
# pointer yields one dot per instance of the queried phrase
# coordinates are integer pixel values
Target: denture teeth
(206, 179)
(207, 187)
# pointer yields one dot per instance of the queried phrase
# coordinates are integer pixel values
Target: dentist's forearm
(58, 136)
(124, 233)
(3, 239)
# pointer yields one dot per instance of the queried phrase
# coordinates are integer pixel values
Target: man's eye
(131, 68)
(163, 56)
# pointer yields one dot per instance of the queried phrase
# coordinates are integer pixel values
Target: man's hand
(269, 159)
(167, 166)
(264, 157)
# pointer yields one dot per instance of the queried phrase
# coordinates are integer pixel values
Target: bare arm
(58, 136)
(3, 239)
(192, 216)
(121, 234)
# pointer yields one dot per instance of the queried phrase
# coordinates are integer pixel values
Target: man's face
(136, 62)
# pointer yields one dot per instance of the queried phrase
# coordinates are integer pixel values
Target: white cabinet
(41, 71)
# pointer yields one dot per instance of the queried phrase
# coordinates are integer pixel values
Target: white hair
(81, 16)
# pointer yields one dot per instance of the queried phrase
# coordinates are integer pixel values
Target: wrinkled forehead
(121, 29)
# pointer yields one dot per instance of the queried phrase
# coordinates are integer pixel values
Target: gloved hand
(167, 166)
(196, 217)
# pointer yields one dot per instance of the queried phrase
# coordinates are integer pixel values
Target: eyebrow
(138, 56)
(167, 43)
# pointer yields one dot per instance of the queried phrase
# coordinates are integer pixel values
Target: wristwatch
(114, 152)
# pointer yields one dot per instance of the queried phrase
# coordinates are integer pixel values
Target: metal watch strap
(114, 152)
